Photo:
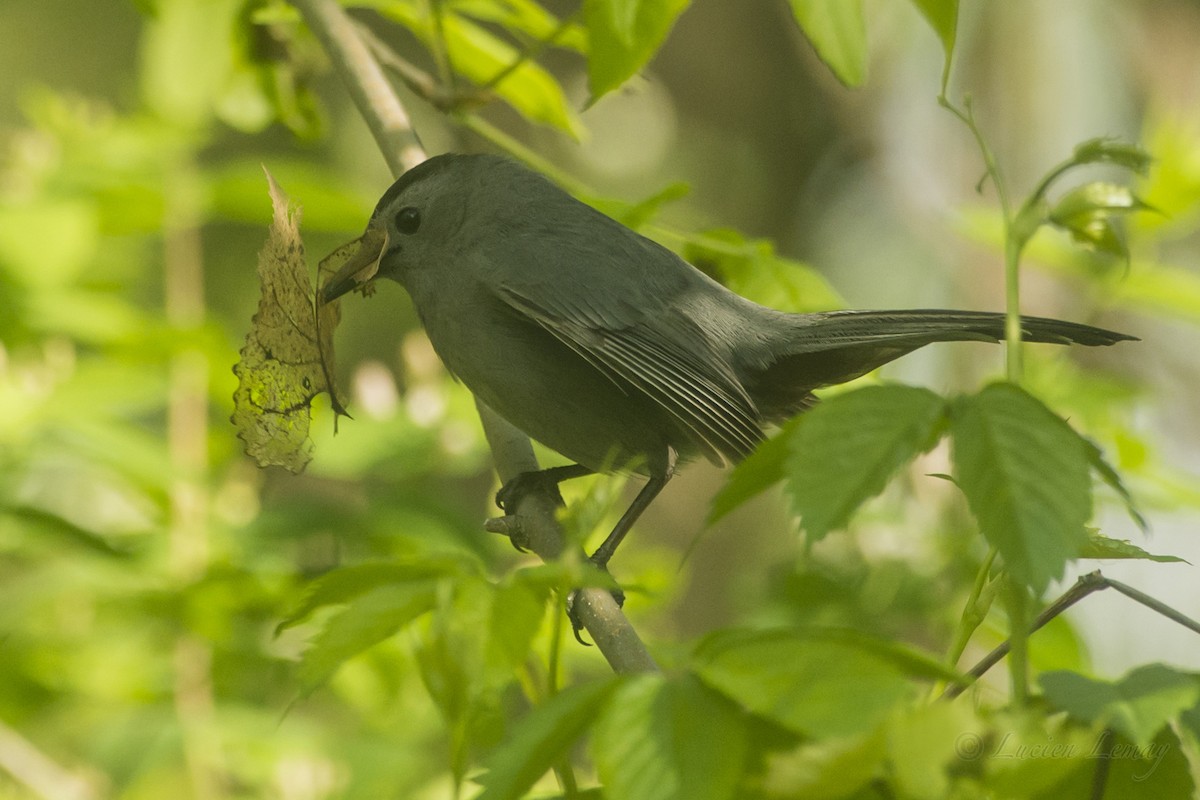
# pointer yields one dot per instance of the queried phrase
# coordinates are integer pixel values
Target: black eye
(408, 219)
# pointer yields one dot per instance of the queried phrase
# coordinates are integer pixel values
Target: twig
(1086, 585)
(513, 454)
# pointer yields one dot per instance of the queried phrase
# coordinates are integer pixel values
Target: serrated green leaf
(838, 32)
(540, 740)
(342, 585)
(1113, 478)
(623, 35)
(761, 470)
(813, 685)
(1099, 546)
(844, 451)
(1024, 472)
(669, 739)
(1138, 705)
(367, 620)
(1111, 151)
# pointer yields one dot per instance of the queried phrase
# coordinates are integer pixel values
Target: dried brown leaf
(288, 357)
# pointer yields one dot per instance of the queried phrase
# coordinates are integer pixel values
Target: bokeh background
(144, 562)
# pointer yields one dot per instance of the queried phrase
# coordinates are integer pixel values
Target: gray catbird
(606, 346)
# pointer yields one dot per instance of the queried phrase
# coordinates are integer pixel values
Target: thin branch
(513, 454)
(1086, 585)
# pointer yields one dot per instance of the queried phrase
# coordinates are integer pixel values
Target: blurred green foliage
(177, 623)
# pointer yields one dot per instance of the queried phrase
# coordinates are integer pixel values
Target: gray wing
(663, 356)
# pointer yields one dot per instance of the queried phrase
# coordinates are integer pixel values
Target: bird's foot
(575, 598)
(510, 494)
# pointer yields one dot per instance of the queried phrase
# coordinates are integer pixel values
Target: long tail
(836, 346)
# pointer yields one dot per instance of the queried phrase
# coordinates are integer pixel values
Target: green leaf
(838, 32)
(761, 470)
(37, 522)
(528, 18)
(1110, 151)
(516, 615)
(367, 620)
(1025, 475)
(623, 35)
(669, 739)
(753, 269)
(1113, 478)
(846, 450)
(541, 739)
(1087, 213)
(480, 55)
(1099, 546)
(635, 215)
(942, 16)
(826, 769)
(1130, 772)
(809, 683)
(1138, 705)
(343, 585)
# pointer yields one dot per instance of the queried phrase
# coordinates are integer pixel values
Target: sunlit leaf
(287, 360)
(623, 35)
(753, 269)
(844, 451)
(481, 55)
(341, 586)
(526, 17)
(1099, 546)
(1112, 151)
(669, 739)
(367, 620)
(761, 470)
(542, 738)
(838, 32)
(635, 215)
(1138, 705)
(1025, 474)
(942, 16)
(814, 685)
(1087, 213)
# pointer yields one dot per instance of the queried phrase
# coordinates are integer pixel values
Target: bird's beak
(353, 265)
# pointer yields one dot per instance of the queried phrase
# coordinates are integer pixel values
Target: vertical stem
(1017, 605)
(187, 448)
(1012, 306)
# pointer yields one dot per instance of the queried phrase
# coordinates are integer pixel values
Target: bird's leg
(605, 551)
(640, 503)
(511, 492)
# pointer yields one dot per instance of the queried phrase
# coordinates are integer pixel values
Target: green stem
(1017, 604)
(1012, 306)
(973, 615)
(532, 52)
(1014, 241)
(437, 45)
(514, 148)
